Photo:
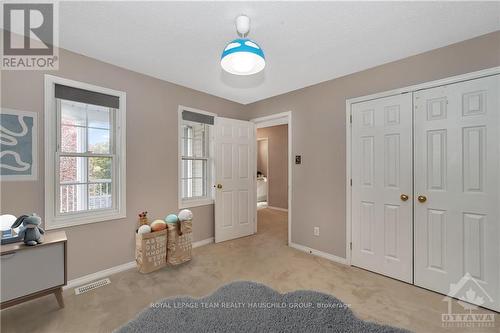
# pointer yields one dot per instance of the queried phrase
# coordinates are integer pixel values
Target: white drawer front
(31, 270)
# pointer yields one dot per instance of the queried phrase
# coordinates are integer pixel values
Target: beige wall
(318, 135)
(262, 152)
(318, 124)
(278, 164)
(151, 156)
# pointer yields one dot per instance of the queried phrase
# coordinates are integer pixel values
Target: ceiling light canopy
(243, 56)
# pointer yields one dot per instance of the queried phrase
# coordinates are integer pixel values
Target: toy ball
(185, 215)
(144, 229)
(158, 225)
(171, 218)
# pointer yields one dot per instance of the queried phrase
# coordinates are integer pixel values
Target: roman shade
(198, 117)
(86, 96)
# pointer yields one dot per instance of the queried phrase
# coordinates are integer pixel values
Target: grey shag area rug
(251, 307)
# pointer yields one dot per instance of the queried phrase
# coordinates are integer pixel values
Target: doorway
(262, 171)
(273, 165)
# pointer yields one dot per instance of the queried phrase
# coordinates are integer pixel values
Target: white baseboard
(99, 275)
(117, 269)
(278, 208)
(321, 254)
(203, 242)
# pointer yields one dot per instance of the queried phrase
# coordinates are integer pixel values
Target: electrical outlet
(316, 231)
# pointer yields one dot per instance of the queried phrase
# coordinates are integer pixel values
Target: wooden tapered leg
(59, 297)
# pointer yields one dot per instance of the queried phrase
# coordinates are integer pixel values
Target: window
(85, 156)
(85, 147)
(195, 163)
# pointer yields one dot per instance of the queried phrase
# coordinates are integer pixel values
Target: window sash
(188, 136)
(204, 177)
(112, 132)
(86, 155)
(185, 137)
(86, 181)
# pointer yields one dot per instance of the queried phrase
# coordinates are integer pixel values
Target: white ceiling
(305, 43)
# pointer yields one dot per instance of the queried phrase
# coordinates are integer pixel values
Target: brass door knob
(219, 186)
(422, 198)
(404, 197)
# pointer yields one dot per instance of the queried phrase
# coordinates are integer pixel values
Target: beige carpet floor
(264, 257)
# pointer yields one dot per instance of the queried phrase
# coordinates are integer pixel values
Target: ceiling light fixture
(243, 56)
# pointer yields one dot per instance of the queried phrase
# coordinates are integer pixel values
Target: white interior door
(382, 236)
(457, 166)
(235, 165)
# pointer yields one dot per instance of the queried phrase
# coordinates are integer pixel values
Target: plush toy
(30, 231)
(144, 229)
(185, 215)
(158, 225)
(171, 218)
(143, 218)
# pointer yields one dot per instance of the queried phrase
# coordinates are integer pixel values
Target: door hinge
(350, 118)
(351, 181)
(350, 245)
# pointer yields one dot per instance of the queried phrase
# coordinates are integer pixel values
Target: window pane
(193, 148)
(73, 113)
(100, 196)
(193, 140)
(198, 188)
(193, 168)
(98, 116)
(198, 147)
(193, 180)
(192, 188)
(100, 169)
(73, 169)
(99, 141)
(73, 139)
(72, 198)
(186, 147)
(187, 188)
(187, 131)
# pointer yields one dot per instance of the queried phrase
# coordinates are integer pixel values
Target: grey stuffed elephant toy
(30, 231)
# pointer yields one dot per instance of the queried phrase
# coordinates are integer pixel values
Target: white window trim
(209, 200)
(52, 220)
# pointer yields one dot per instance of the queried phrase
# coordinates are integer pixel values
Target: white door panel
(381, 173)
(235, 175)
(457, 166)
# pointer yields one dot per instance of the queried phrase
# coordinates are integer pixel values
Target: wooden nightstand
(29, 272)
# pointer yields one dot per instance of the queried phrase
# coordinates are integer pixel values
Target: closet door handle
(422, 198)
(404, 197)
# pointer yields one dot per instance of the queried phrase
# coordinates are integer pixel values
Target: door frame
(283, 118)
(404, 90)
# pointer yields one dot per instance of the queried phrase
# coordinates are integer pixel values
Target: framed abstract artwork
(18, 145)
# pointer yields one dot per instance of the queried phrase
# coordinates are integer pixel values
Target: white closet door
(235, 198)
(457, 168)
(382, 238)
